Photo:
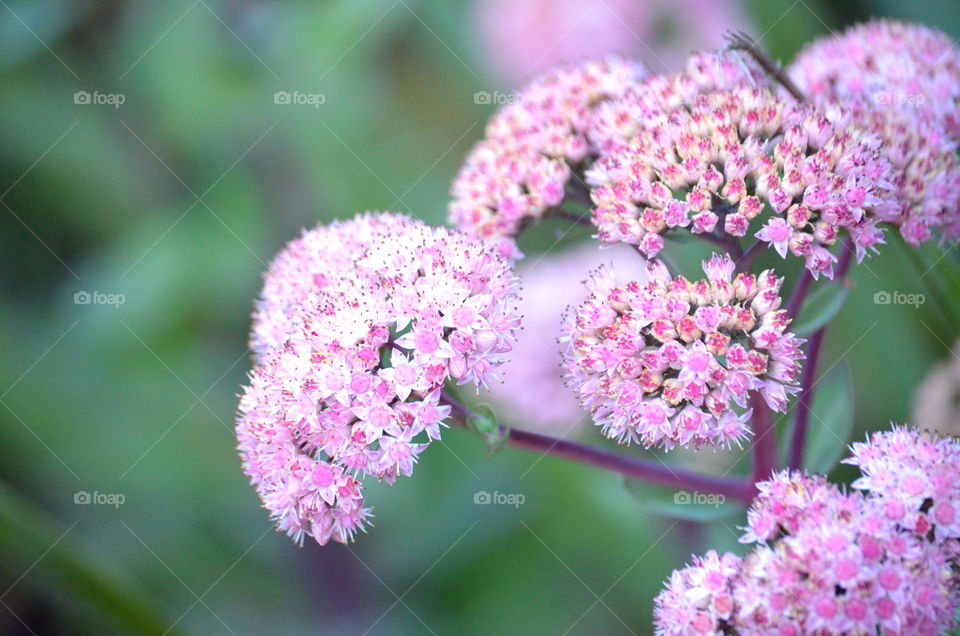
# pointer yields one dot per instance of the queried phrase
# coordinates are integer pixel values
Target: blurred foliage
(176, 200)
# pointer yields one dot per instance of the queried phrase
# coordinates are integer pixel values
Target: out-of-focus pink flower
(520, 39)
(533, 395)
(901, 81)
(354, 388)
(718, 161)
(936, 402)
(665, 361)
(531, 146)
(894, 64)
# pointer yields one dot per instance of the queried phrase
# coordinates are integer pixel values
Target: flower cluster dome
(616, 121)
(522, 166)
(354, 388)
(843, 568)
(664, 362)
(731, 160)
(306, 266)
(698, 599)
(882, 559)
(892, 63)
(914, 476)
(902, 82)
(840, 567)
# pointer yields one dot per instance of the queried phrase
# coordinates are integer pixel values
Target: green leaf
(831, 421)
(820, 307)
(26, 532)
(677, 503)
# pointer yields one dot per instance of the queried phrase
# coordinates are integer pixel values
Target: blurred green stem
(27, 531)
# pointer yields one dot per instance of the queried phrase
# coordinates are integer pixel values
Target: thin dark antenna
(740, 41)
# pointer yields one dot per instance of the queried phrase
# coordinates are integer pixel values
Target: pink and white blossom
(665, 362)
(744, 154)
(531, 148)
(355, 385)
(902, 82)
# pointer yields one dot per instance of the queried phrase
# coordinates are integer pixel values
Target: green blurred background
(177, 199)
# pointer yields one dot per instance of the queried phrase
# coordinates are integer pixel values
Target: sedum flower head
(837, 565)
(616, 121)
(916, 476)
(665, 361)
(902, 82)
(894, 64)
(308, 265)
(521, 167)
(824, 562)
(698, 599)
(305, 495)
(356, 385)
(746, 161)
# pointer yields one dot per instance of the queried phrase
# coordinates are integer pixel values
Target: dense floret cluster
(901, 82)
(365, 352)
(525, 161)
(665, 362)
(826, 562)
(746, 161)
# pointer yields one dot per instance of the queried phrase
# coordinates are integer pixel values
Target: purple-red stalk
(764, 442)
(633, 467)
(808, 383)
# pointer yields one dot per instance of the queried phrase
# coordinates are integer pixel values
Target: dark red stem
(806, 394)
(764, 438)
(799, 294)
(808, 382)
(632, 467)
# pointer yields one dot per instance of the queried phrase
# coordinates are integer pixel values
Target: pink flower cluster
(901, 81)
(619, 119)
(893, 63)
(355, 384)
(827, 562)
(521, 167)
(308, 265)
(664, 362)
(914, 476)
(698, 599)
(545, 404)
(728, 157)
